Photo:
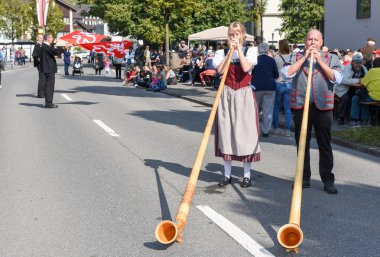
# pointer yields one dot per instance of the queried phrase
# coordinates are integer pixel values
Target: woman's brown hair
(283, 47)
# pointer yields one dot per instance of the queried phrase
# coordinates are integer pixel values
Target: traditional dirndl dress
(237, 123)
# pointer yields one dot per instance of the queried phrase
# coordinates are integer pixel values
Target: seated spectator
(347, 60)
(135, 79)
(352, 74)
(146, 79)
(157, 84)
(171, 78)
(187, 69)
(371, 93)
(199, 67)
(129, 75)
(209, 69)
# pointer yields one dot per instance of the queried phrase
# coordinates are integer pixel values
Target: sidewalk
(206, 96)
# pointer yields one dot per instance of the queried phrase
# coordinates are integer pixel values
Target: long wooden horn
(167, 231)
(290, 235)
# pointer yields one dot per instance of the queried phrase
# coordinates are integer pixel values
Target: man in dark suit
(36, 57)
(48, 66)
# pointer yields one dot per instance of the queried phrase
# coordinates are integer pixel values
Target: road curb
(335, 140)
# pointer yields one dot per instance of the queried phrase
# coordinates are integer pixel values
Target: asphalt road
(70, 188)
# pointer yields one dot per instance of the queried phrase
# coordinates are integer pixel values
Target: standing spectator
(107, 67)
(4, 52)
(283, 87)
(66, 59)
(12, 56)
(17, 56)
(129, 58)
(117, 64)
(139, 56)
(22, 56)
(99, 63)
(182, 49)
(154, 58)
(147, 57)
(49, 68)
(352, 74)
(367, 52)
(237, 126)
(37, 63)
(326, 73)
(263, 79)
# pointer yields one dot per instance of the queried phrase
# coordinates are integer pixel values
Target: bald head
(314, 38)
(40, 38)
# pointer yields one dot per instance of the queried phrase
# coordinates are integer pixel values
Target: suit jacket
(47, 58)
(36, 54)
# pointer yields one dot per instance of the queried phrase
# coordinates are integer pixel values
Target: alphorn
(168, 231)
(290, 235)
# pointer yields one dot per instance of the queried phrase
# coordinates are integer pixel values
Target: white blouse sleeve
(252, 55)
(219, 56)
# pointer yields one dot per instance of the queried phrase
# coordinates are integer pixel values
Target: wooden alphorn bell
(168, 231)
(290, 235)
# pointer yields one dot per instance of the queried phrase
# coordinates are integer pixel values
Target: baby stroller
(78, 66)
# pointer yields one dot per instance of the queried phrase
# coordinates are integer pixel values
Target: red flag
(42, 7)
(80, 37)
(116, 49)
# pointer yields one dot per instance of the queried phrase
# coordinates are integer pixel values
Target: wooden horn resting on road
(290, 235)
(168, 231)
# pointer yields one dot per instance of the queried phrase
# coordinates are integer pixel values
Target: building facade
(269, 24)
(348, 23)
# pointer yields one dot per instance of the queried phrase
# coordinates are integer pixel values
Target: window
(363, 9)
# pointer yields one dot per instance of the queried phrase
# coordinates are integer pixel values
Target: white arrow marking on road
(66, 97)
(236, 233)
(110, 131)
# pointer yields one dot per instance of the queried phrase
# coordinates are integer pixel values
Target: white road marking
(110, 131)
(66, 97)
(236, 233)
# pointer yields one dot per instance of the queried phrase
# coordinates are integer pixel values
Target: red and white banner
(80, 37)
(116, 49)
(42, 11)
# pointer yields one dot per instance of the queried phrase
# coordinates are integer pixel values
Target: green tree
(299, 16)
(158, 21)
(54, 20)
(16, 18)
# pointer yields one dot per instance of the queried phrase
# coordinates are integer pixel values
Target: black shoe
(40, 96)
(341, 121)
(330, 189)
(51, 106)
(246, 183)
(265, 135)
(306, 184)
(225, 181)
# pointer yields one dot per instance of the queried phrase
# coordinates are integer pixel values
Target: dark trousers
(41, 83)
(321, 121)
(345, 105)
(118, 71)
(49, 87)
(67, 68)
